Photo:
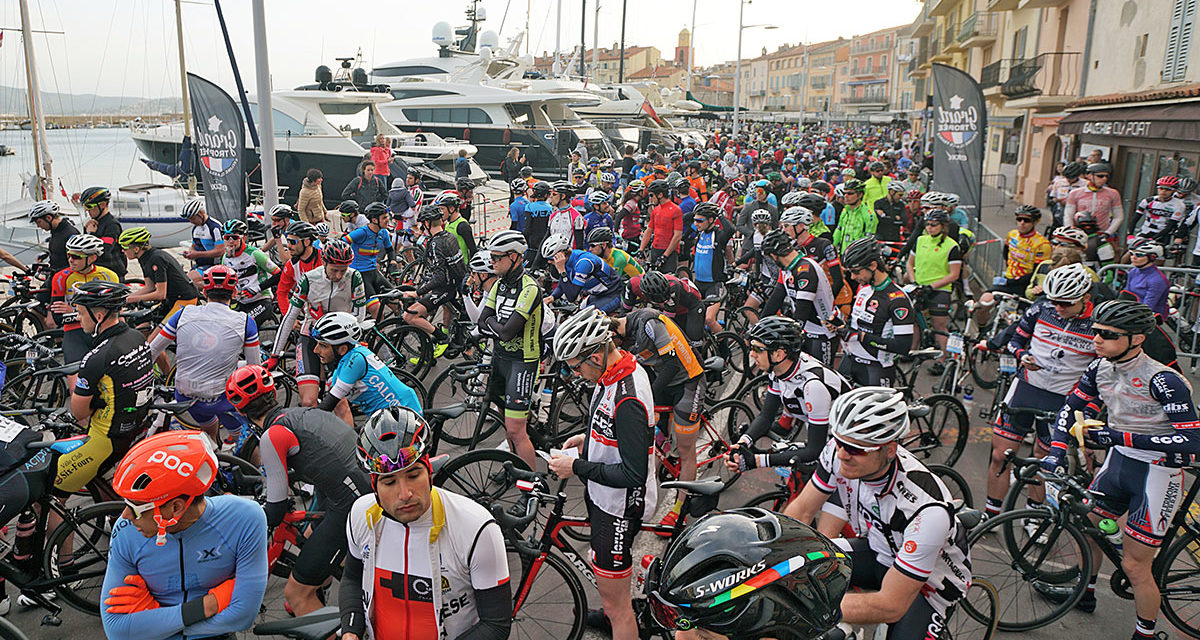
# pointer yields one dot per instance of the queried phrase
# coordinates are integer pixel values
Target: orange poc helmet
(247, 383)
(166, 466)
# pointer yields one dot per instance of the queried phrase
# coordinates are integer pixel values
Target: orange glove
(131, 597)
(223, 593)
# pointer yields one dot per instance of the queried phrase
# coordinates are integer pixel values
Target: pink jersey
(1099, 205)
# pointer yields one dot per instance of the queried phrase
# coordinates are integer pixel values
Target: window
(401, 94)
(1018, 42)
(883, 62)
(408, 70)
(457, 115)
(1012, 142)
(1179, 40)
(282, 123)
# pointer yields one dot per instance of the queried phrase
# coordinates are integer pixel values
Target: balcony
(992, 76)
(758, 93)
(979, 30)
(1046, 81)
(922, 26)
(938, 8)
(860, 72)
(1002, 5)
(877, 47)
(937, 51)
(861, 101)
(950, 38)
(1040, 4)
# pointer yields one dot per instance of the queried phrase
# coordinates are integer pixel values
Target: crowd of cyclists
(616, 274)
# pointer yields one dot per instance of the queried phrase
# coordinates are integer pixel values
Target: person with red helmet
(180, 563)
(209, 339)
(1161, 213)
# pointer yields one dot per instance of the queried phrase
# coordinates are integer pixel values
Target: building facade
(870, 84)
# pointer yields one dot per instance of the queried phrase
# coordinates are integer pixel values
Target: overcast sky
(128, 47)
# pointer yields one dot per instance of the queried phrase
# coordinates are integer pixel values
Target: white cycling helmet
(872, 415)
(191, 208)
(839, 190)
(803, 183)
(581, 334)
(950, 199)
(1068, 283)
(931, 199)
(760, 216)
(1150, 248)
(554, 244)
(335, 328)
(43, 208)
(791, 199)
(796, 215)
(481, 262)
(86, 244)
(508, 241)
(1071, 235)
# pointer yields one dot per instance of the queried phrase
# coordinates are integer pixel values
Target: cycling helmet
(464, 184)
(594, 162)
(820, 186)
(1068, 283)
(554, 244)
(166, 466)
(1167, 182)
(839, 191)
(873, 415)
(540, 189)
(861, 253)
(1099, 167)
(876, 166)
(481, 262)
(374, 210)
(855, 185)
(641, 158)
(659, 187)
(778, 332)
(790, 199)
(220, 277)
(518, 186)
(347, 207)
(931, 199)
(1186, 185)
(1073, 170)
(706, 210)
(936, 215)
(302, 230)
(1029, 210)
(848, 172)
(728, 158)
(896, 186)
(136, 235)
(813, 202)
(774, 176)
(191, 208)
(447, 199)
(673, 178)
(430, 212)
(655, 287)
(750, 573)
(85, 244)
(597, 198)
(1127, 315)
(680, 185)
(526, 172)
(322, 230)
(1150, 248)
(337, 252)
(760, 216)
(93, 196)
(600, 235)
(563, 187)
(674, 157)
(1072, 236)
(737, 186)
(796, 215)
(234, 228)
(803, 183)
(336, 328)
(43, 208)
(789, 160)
(777, 243)
(636, 187)
(581, 334)
(914, 195)
(282, 211)
(392, 440)
(99, 294)
(508, 241)
(247, 383)
(762, 184)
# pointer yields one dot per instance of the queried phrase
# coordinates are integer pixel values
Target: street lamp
(737, 78)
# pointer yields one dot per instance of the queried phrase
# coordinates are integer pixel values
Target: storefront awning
(1173, 121)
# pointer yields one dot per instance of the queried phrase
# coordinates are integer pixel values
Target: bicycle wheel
(9, 631)
(461, 430)
(961, 620)
(553, 605)
(1039, 567)
(465, 384)
(723, 418)
(413, 383)
(413, 349)
(1178, 578)
(958, 486)
(25, 388)
(940, 436)
(753, 391)
(569, 411)
(774, 500)
(480, 475)
(78, 550)
(983, 366)
(287, 388)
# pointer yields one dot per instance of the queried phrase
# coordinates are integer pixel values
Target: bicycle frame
(673, 466)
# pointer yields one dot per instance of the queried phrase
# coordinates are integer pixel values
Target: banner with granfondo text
(219, 138)
(959, 122)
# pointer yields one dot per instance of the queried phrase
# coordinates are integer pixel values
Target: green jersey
(525, 298)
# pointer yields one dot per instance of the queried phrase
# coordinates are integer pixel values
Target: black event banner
(959, 128)
(220, 138)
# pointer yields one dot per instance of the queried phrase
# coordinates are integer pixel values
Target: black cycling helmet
(814, 202)
(600, 235)
(680, 185)
(936, 215)
(348, 206)
(526, 172)
(1029, 210)
(430, 212)
(1126, 315)
(464, 184)
(659, 187)
(93, 196)
(750, 573)
(99, 294)
(374, 210)
(778, 332)
(855, 185)
(706, 210)
(1099, 167)
(655, 287)
(302, 230)
(1073, 170)
(540, 189)
(777, 243)
(861, 253)
(876, 166)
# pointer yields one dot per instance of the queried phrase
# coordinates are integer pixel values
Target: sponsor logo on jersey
(910, 547)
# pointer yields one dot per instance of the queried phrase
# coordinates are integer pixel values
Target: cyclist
(479, 282)
(785, 580)
(536, 224)
(800, 386)
(711, 250)
(207, 243)
(104, 225)
(516, 210)
(164, 278)
(351, 218)
(877, 186)
(892, 210)
(333, 287)
(881, 319)
(512, 316)
(678, 386)
(1145, 280)
(281, 218)
(628, 217)
(1053, 343)
(1061, 186)
(911, 552)
(442, 280)
(1024, 248)
(209, 339)
(600, 243)
(113, 390)
(368, 242)
(206, 572)
(935, 265)
(1096, 208)
(465, 188)
(253, 269)
(664, 229)
(565, 219)
(304, 256)
(801, 292)
(1067, 245)
(359, 377)
(1152, 437)
(766, 272)
(800, 222)
(456, 224)
(1161, 213)
(856, 220)
(83, 254)
(392, 587)
(760, 202)
(46, 215)
(614, 458)
(581, 274)
(600, 215)
(676, 297)
(319, 449)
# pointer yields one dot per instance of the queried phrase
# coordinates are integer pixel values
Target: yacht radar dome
(489, 38)
(443, 34)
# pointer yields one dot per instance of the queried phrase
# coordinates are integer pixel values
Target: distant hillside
(13, 101)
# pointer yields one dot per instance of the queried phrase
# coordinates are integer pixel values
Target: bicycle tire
(955, 482)
(725, 417)
(414, 349)
(89, 530)
(731, 348)
(982, 364)
(480, 476)
(1168, 576)
(1019, 580)
(774, 500)
(531, 624)
(413, 383)
(559, 427)
(753, 391)
(9, 631)
(461, 430)
(29, 388)
(932, 443)
(969, 626)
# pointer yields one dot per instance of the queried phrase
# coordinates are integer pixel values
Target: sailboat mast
(183, 88)
(266, 119)
(41, 151)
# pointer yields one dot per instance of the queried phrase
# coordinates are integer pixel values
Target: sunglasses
(139, 510)
(854, 449)
(1099, 175)
(77, 256)
(405, 458)
(1062, 304)
(233, 236)
(1107, 334)
(1024, 219)
(91, 206)
(293, 240)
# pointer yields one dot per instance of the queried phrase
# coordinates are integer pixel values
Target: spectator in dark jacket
(462, 166)
(366, 188)
(400, 199)
(510, 169)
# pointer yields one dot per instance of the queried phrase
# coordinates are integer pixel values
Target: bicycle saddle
(448, 412)
(318, 625)
(712, 299)
(173, 407)
(918, 410)
(969, 518)
(66, 370)
(705, 487)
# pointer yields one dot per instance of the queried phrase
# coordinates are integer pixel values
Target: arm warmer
(285, 329)
(765, 418)
(494, 607)
(350, 597)
(774, 301)
(508, 330)
(633, 442)
(818, 435)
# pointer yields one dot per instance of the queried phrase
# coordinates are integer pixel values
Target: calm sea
(82, 158)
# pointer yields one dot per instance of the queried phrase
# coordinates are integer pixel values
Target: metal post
(583, 40)
(737, 78)
(692, 48)
(804, 88)
(558, 33)
(621, 63)
(187, 104)
(595, 39)
(266, 124)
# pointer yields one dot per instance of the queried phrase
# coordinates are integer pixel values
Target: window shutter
(1179, 40)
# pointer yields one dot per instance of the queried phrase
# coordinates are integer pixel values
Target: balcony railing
(866, 71)
(993, 74)
(860, 100)
(1047, 74)
(981, 24)
(869, 48)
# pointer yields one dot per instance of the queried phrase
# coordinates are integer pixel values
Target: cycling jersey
(536, 224)
(1101, 206)
(854, 223)
(1151, 287)
(316, 295)
(595, 220)
(209, 340)
(253, 268)
(659, 344)
(108, 229)
(64, 281)
(933, 258)
(291, 275)
(523, 297)
(228, 541)
(158, 266)
(446, 266)
(320, 449)
(396, 594)
(623, 264)
(821, 250)
(908, 521)
(1023, 252)
(805, 392)
(206, 237)
(461, 230)
(629, 217)
(809, 295)
(682, 305)
(1061, 349)
(708, 254)
(881, 324)
(568, 222)
(666, 220)
(1159, 217)
(587, 274)
(369, 384)
(367, 246)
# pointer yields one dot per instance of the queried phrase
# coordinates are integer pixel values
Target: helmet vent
(142, 482)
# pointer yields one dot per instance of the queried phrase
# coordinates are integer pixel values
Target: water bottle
(24, 545)
(639, 580)
(968, 398)
(543, 413)
(1112, 531)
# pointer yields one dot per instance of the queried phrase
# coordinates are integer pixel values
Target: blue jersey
(587, 273)
(516, 212)
(228, 541)
(367, 382)
(706, 250)
(207, 237)
(687, 204)
(595, 220)
(829, 216)
(367, 246)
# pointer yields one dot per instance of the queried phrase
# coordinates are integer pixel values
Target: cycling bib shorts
(1148, 492)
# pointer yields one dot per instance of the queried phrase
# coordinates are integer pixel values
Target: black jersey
(157, 267)
(881, 323)
(118, 375)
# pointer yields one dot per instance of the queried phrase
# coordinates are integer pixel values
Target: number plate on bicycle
(954, 344)
(999, 281)
(525, 485)
(1008, 363)
(1052, 491)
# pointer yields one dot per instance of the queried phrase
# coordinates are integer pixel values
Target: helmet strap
(163, 523)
